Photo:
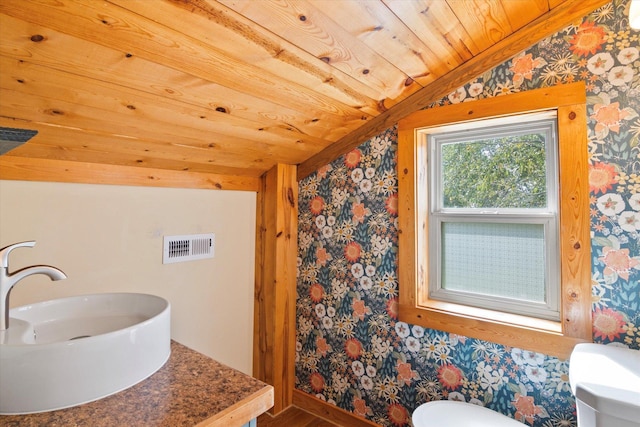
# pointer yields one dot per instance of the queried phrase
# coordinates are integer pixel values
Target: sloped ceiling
(233, 87)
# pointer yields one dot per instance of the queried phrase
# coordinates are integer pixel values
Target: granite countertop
(190, 389)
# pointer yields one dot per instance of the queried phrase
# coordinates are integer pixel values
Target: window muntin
(493, 215)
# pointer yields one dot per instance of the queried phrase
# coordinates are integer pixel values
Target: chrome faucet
(8, 280)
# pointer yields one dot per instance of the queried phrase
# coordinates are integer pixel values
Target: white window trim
(548, 216)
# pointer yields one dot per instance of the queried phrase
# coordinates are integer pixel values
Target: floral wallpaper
(351, 349)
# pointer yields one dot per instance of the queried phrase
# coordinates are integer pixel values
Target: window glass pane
(506, 260)
(502, 172)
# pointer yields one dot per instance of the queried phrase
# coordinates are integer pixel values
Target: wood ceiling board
(375, 25)
(521, 12)
(126, 105)
(117, 28)
(59, 51)
(318, 34)
(222, 29)
(244, 153)
(61, 112)
(88, 154)
(77, 145)
(436, 24)
(485, 19)
(106, 157)
(554, 3)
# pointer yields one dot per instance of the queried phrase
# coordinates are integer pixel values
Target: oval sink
(68, 351)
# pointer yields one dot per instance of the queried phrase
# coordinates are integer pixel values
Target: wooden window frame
(544, 336)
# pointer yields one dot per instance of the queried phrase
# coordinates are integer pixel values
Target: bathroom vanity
(191, 389)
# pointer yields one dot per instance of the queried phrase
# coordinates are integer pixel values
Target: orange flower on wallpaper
(450, 376)
(353, 348)
(359, 211)
(360, 407)
(392, 307)
(608, 324)
(352, 158)
(352, 251)
(322, 256)
(397, 414)
(618, 261)
(602, 176)
(588, 39)
(322, 171)
(391, 204)
(359, 309)
(322, 346)
(526, 409)
(316, 205)
(405, 373)
(522, 67)
(317, 382)
(608, 117)
(316, 292)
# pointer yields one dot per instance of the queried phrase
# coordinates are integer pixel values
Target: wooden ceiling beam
(556, 19)
(31, 169)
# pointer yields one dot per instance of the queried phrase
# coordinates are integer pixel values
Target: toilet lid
(459, 414)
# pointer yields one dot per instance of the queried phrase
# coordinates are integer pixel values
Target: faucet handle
(4, 252)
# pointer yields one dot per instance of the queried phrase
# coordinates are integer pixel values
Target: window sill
(543, 336)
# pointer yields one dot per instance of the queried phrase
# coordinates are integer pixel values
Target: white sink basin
(65, 352)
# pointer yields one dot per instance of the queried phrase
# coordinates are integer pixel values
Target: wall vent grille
(188, 247)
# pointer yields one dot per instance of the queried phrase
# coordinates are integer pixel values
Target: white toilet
(450, 413)
(605, 380)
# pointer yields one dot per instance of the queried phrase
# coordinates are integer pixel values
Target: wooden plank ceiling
(233, 87)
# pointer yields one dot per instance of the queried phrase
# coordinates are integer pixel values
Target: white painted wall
(109, 239)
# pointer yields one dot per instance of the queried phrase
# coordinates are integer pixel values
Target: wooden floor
(293, 417)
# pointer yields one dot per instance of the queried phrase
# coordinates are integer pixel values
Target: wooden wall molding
(275, 290)
(329, 412)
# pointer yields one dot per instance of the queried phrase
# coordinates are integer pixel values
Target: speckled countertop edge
(189, 389)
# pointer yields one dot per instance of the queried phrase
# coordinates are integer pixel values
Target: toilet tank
(606, 382)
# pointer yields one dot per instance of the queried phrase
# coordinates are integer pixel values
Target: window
(494, 219)
(493, 214)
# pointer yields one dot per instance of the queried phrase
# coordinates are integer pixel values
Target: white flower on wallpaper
(610, 204)
(629, 221)
(601, 63)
